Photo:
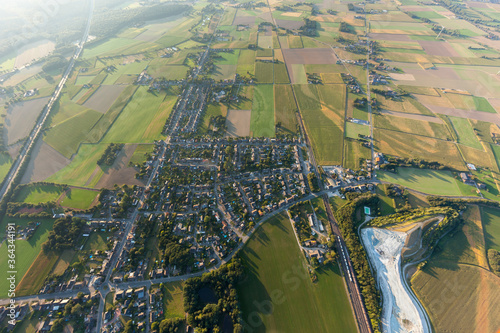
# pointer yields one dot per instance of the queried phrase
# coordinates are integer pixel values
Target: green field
(262, 121)
(78, 198)
(132, 69)
(353, 130)
(452, 285)
(278, 295)
(228, 58)
(423, 180)
(108, 46)
(264, 72)
(326, 137)
(173, 300)
(37, 193)
(465, 132)
(66, 136)
(26, 252)
(285, 108)
(139, 155)
(280, 74)
(79, 171)
(142, 119)
(5, 164)
(491, 223)
(97, 241)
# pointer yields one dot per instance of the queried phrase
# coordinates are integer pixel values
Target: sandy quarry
(401, 311)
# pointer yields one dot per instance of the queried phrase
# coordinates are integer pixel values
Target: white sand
(400, 310)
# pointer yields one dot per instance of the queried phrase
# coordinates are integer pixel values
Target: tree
(77, 310)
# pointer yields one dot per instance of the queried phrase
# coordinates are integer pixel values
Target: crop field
(80, 170)
(285, 108)
(491, 223)
(224, 72)
(78, 198)
(170, 72)
(131, 126)
(33, 280)
(465, 132)
(326, 137)
(103, 98)
(21, 118)
(108, 46)
(228, 58)
(26, 252)
(353, 152)
(262, 122)
(468, 102)
(102, 126)
(423, 180)
(132, 69)
(459, 296)
(297, 74)
(280, 74)
(415, 146)
(353, 130)
(140, 152)
(38, 193)
(265, 42)
(5, 164)
(66, 136)
(275, 263)
(295, 42)
(264, 72)
(246, 62)
(411, 125)
(84, 79)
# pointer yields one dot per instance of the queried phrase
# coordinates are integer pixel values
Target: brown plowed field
(45, 162)
(21, 118)
(120, 173)
(104, 97)
(288, 24)
(390, 37)
(438, 48)
(317, 56)
(238, 123)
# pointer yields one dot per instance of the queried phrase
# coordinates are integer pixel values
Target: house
(465, 178)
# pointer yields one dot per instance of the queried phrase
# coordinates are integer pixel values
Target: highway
(30, 141)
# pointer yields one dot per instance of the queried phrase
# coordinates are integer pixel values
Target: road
(105, 287)
(357, 303)
(15, 168)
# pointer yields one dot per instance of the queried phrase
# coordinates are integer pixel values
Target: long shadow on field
(255, 301)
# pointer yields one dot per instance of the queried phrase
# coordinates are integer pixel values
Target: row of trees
(346, 218)
(110, 154)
